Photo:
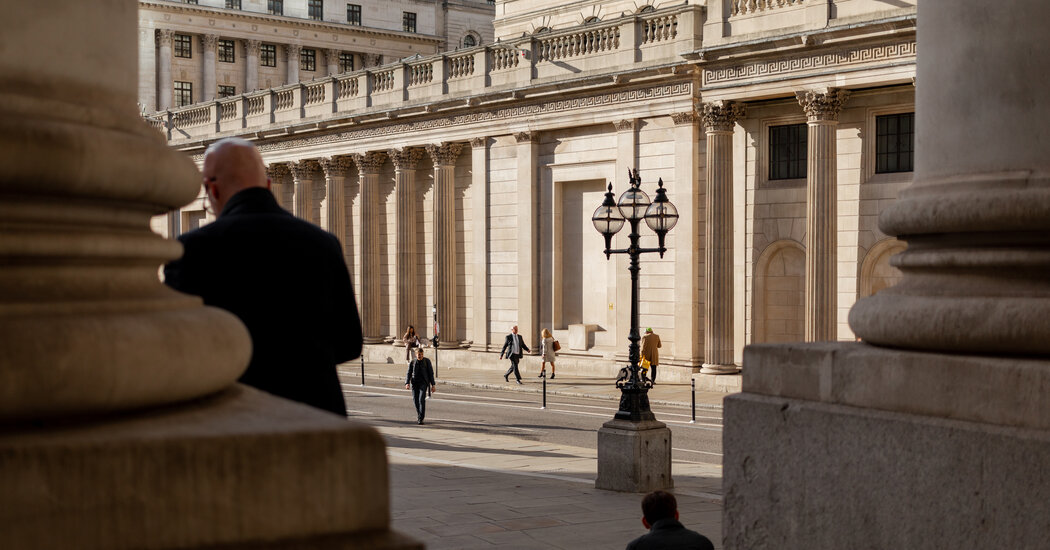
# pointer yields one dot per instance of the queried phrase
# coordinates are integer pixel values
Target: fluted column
(977, 217)
(405, 162)
(303, 194)
(278, 175)
(292, 51)
(719, 119)
(331, 57)
(335, 171)
(251, 64)
(479, 197)
(208, 44)
(165, 84)
(528, 209)
(444, 157)
(368, 166)
(822, 111)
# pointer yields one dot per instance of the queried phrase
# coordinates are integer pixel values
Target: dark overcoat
(286, 279)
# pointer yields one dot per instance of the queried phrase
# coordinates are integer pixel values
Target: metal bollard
(692, 385)
(362, 369)
(544, 392)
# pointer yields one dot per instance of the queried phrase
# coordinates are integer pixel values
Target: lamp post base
(634, 456)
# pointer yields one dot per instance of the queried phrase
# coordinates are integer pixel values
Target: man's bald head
(232, 165)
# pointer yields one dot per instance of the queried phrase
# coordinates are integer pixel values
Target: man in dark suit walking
(660, 516)
(512, 348)
(285, 279)
(420, 377)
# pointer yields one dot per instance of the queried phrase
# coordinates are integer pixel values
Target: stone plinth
(634, 457)
(580, 336)
(242, 468)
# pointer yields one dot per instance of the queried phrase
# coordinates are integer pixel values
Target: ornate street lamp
(661, 216)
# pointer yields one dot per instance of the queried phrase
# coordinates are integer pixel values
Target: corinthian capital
(626, 124)
(370, 162)
(293, 51)
(277, 172)
(302, 170)
(209, 41)
(822, 106)
(251, 47)
(720, 116)
(405, 158)
(522, 137)
(335, 167)
(165, 36)
(444, 154)
(685, 117)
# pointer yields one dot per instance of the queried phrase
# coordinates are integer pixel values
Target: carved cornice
(444, 154)
(251, 47)
(164, 37)
(478, 142)
(685, 117)
(370, 162)
(808, 62)
(209, 41)
(406, 158)
(522, 137)
(302, 170)
(335, 167)
(720, 116)
(626, 124)
(822, 106)
(293, 51)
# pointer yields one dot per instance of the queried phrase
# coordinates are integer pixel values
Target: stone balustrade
(745, 7)
(618, 45)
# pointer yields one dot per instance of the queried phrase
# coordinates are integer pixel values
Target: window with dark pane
(308, 59)
(233, 4)
(353, 14)
(227, 91)
(227, 51)
(275, 7)
(787, 151)
(895, 143)
(268, 55)
(408, 21)
(183, 93)
(183, 45)
(469, 41)
(346, 62)
(315, 9)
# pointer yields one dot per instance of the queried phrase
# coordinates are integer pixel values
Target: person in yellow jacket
(650, 351)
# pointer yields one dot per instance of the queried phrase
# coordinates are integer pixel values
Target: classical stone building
(466, 180)
(199, 51)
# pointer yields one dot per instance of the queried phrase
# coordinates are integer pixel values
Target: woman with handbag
(547, 348)
(412, 342)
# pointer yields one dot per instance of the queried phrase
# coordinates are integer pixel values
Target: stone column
(528, 237)
(303, 194)
(251, 64)
(334, 221)
(369, 287)
(372, 59)
(626, 159)
(719, 119)
(405, 161)
(332, 59)
(292, 52)
(822, 110)
(444, 157)
(479, 192)
(209, 89)
(165, 84)
(278, 174)
(685, 193)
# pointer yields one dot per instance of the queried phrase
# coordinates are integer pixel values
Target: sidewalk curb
(529, 389)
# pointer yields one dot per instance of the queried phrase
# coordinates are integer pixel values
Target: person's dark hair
(658, 505)
(410, 332)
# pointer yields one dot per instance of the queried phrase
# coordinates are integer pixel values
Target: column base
(711, 368)
(374, 340)
(241, 469)
(634, 457)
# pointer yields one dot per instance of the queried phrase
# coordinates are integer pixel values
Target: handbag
(645, 363)
(556, 346)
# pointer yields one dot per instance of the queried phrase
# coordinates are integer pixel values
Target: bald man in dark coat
(285, 278)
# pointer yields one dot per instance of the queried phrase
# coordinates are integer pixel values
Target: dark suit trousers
(419, 398)
(514, 367)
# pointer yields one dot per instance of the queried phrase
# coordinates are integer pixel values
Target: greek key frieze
(839, 58)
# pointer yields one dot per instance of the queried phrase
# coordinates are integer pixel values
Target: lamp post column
(719, 119)
(368, 166)
(444, 157)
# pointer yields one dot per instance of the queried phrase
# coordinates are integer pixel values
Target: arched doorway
(780, 286)
(876, 273)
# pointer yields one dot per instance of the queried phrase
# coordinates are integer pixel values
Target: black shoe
(420, 421)
(541, 375)
(518, 381)
(552, 376)
(506, 377)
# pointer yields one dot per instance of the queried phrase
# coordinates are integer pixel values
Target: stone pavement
(457, 489)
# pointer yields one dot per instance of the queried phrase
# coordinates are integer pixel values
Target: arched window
(646, 9)
(469, 41)
(591, 19)
(541, 30)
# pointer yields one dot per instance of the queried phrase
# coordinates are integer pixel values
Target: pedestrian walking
(420, 378)
(548, 347)
(650, 351)
(411, 341)
(513, 348)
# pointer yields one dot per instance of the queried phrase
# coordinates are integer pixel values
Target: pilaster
(620, 299)
(480, 265)
(368, 166)
(444, 157)
(405, 162)
(208, 44)
(686, 196)
(719, 118)
(822, 111)
(251, 64)
(528, 237)
(165, 83)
